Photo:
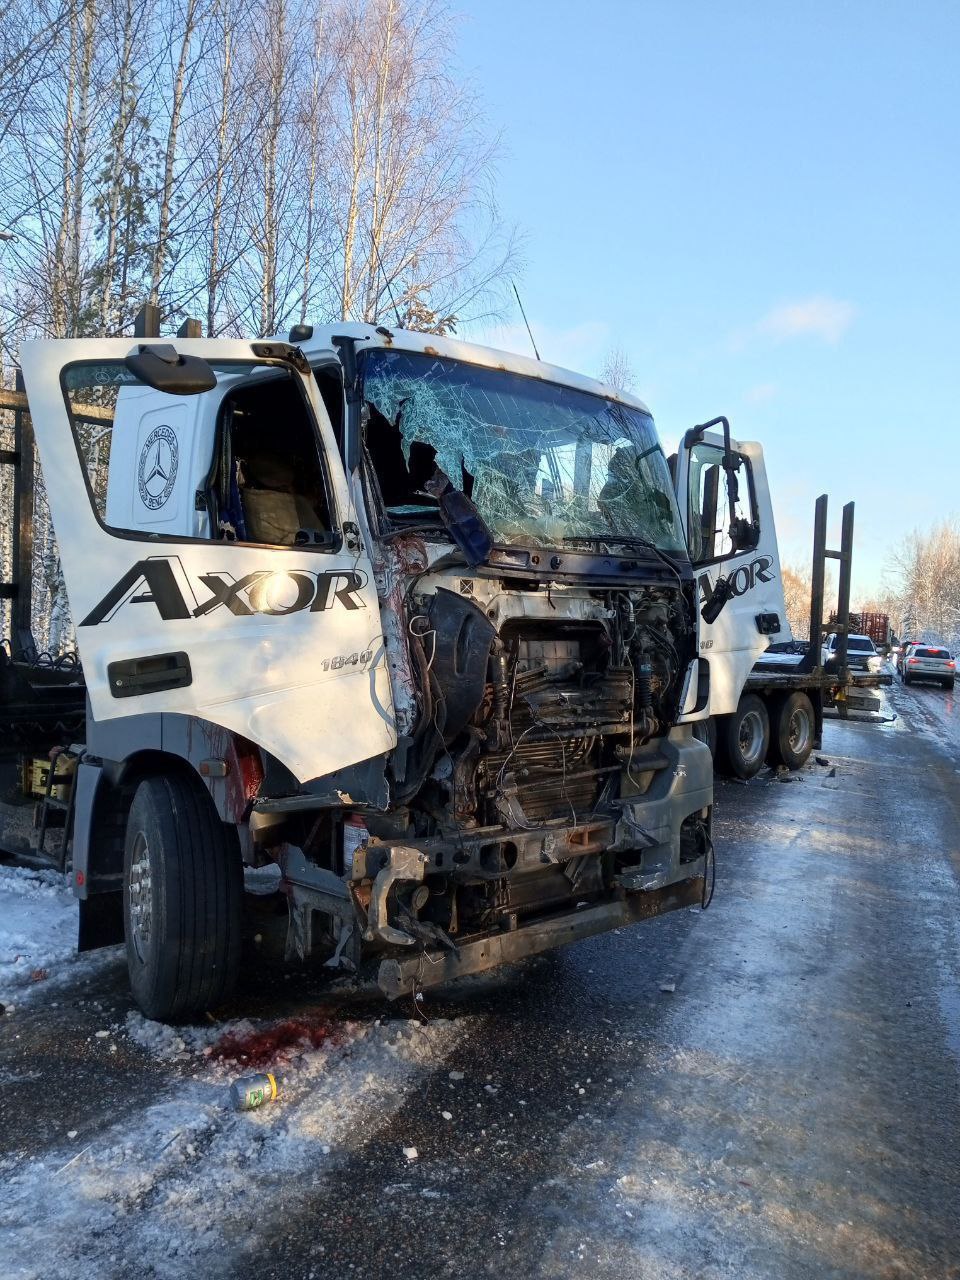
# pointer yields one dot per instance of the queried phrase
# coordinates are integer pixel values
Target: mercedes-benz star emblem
(158, 467)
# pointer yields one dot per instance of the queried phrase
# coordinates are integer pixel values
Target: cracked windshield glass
(543, 463)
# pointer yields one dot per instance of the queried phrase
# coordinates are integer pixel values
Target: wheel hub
(798, 732)
(140, 897)
(751, 737)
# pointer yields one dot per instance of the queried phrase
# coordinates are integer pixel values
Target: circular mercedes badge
(158, 467)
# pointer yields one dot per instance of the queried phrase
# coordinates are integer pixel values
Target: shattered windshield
(541, 462)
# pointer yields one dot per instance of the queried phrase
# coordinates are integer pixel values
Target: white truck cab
(378, 579)
(726, 508)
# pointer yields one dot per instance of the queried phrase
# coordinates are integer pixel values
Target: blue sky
(757, 202)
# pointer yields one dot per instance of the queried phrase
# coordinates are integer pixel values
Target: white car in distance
(929, 662)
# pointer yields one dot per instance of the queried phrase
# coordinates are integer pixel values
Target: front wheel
(793, 731)
(182, 897)
(743, 738)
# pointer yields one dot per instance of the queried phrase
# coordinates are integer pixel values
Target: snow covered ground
(38, 936)
(765, 1089)
(173, 1187)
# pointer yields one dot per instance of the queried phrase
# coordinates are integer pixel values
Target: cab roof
(369, 335)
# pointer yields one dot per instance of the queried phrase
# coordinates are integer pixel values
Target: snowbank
(38, 931)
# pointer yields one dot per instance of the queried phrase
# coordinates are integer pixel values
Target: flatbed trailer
(844, 694)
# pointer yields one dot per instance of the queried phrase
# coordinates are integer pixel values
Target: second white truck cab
(764, 706)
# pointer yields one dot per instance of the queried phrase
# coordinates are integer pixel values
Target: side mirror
(162, 367)
(744, 535)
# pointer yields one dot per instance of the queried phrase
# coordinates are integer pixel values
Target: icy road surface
(767, 1089)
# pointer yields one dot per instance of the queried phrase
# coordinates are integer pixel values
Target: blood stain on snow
(262, 1047)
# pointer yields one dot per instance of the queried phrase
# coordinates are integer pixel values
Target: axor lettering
(163, 582)
(743, 579)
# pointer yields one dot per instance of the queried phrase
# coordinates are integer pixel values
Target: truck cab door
(210, 549)
(728, 520)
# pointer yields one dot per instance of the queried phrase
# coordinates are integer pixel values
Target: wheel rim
(140, 898)
(751, 737)
(799, 732)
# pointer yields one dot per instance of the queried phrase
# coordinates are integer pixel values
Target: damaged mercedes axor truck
(408, 621)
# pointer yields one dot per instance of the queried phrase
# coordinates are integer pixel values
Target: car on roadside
(903, 653)
(929, 662)
(861, 653)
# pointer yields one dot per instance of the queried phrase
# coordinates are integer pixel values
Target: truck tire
(706, 731)
(182, 898)
(793, 731)
(948, 684)
(743, 738)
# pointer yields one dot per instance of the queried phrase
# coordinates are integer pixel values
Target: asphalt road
(770, 1088)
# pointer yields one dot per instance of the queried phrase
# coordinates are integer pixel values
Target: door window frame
(337, 518)
(693, 515)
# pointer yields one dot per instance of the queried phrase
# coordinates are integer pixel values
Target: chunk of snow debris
(822, 760)
(447, 1115)
(456, 1075)
(491, 1088)
(581, 1091)
(102, 1035)
(411, 1153)
(668, 986)
(71, 1133)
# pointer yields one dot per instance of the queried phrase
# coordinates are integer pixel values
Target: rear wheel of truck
(793, 731)
(182, 896)
(742, 738)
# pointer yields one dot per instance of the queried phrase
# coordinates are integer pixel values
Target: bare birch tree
(926, 579)
(409, 178)
(300, 161)
(184, 39)
(617, 371)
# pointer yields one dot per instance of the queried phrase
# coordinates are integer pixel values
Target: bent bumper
(431, 967)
